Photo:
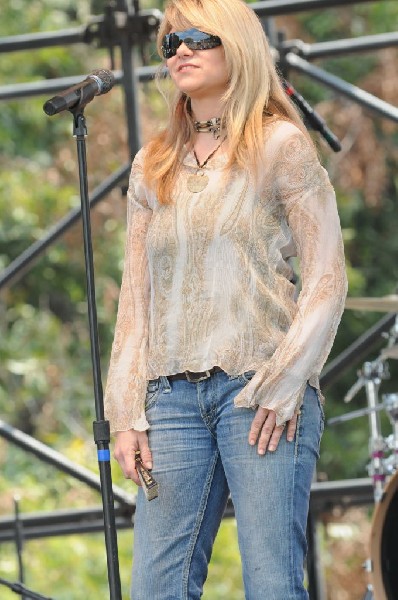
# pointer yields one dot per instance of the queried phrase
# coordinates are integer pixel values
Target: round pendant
(197, 183)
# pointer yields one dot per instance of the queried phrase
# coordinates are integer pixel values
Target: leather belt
(194, 377)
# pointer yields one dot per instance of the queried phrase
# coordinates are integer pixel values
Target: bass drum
(384, 544)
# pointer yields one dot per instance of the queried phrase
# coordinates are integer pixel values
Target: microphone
(97, 83)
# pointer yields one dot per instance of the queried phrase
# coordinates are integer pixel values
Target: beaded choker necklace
(211, 126)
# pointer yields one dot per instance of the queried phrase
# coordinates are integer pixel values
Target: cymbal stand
(390, 402)
(370, 378)
(380, 467)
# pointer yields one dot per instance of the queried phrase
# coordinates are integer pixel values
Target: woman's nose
(183, 50)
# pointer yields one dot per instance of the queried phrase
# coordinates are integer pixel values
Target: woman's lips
(186, 67)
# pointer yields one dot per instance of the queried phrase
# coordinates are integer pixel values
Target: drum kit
(383, 452)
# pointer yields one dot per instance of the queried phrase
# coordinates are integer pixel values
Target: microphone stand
(101, 427)
(313, 119)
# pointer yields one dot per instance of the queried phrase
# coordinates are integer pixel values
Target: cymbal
(383, 304)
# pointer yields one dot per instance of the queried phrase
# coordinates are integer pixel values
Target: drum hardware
(383, 543)
(383, 469)
(353, 415)
(369, 593)
(367, 565)
(390, 401)
(391, 462)
(370, 377)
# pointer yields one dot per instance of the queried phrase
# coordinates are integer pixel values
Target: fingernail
(272, 448)
(290, 438)
(252, 442)
(261, 451)
(149, 465)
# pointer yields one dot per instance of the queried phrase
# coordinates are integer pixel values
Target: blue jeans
(200, 449)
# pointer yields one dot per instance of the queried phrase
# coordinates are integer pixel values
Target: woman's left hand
(265, 432)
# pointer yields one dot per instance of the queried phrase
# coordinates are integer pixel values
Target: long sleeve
(126, 383)
(307, 198)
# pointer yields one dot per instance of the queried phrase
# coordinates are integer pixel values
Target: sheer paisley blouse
(207, 281)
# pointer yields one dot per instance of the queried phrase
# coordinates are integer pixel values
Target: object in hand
(149, 485)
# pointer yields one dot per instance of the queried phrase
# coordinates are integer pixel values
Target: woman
(213, 354)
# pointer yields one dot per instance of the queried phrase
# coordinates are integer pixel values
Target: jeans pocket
(310, 426)
(152, 393)
(322, 412)
(321, 415)
(321, 409)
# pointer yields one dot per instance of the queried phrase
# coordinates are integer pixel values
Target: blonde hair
(254, 91)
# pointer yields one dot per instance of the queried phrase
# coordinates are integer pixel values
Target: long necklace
(211, 126)
(199, 180)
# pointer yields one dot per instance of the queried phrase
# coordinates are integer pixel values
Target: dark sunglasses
(193, 38)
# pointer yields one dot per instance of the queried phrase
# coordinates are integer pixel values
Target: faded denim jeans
(200, 450)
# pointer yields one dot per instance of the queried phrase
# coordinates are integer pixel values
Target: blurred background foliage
(45, 368)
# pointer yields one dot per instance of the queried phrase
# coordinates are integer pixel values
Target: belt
(194, 377)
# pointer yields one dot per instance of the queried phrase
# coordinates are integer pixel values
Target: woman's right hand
(127, 442)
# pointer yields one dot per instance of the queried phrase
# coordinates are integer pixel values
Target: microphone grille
(105, 79)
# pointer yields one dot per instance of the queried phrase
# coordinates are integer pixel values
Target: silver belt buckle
(188, 376)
